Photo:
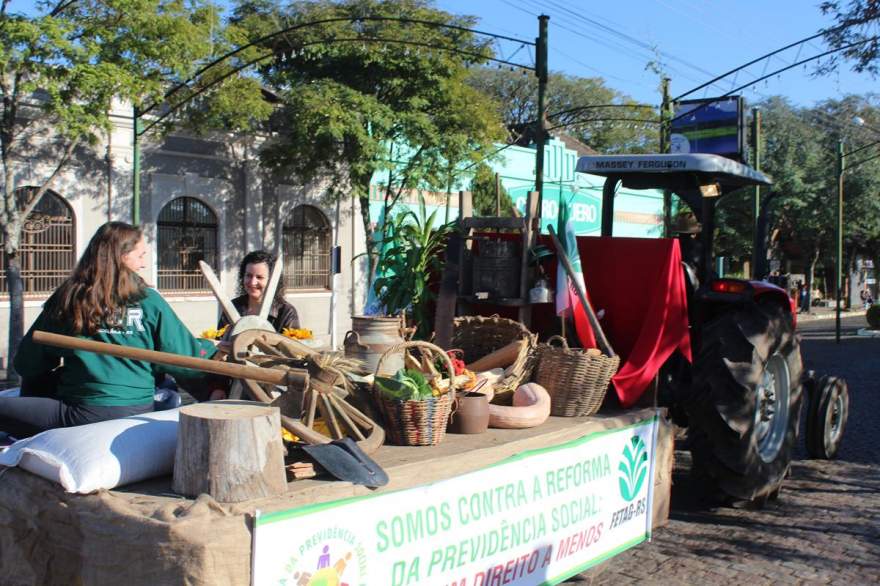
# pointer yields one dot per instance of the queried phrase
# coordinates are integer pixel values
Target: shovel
(342, 458)
(345, 460)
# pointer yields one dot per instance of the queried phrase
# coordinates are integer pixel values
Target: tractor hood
(673, 172)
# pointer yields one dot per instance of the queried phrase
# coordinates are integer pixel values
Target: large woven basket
(417, 423)
(577, 380)
(478, 336)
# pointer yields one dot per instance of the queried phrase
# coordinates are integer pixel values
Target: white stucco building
(201, 197)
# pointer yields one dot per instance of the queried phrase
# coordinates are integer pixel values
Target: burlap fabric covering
(50, 537)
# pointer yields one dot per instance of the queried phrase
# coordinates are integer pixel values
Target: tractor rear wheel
(745, 402)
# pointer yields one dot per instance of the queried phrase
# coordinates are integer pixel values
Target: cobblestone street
(825, 527)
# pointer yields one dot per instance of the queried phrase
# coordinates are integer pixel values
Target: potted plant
(410, 254)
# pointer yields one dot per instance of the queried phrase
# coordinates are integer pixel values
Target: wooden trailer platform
(145, 534)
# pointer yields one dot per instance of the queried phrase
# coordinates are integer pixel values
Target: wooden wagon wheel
(322, 395)
(255, 342)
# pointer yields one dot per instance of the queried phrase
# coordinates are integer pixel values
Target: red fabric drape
(639, 283)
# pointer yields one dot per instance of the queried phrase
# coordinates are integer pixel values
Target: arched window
(47, 251)
(187, 234)
(306, 241)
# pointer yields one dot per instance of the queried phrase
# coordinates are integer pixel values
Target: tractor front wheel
(745, 402)
(826, 417)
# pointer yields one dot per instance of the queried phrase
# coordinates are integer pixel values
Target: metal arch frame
(540, 70)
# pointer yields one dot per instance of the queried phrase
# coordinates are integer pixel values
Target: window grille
(46, 253)
(187, 234)
(306, 245)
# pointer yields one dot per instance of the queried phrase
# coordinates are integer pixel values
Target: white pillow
(100, 455)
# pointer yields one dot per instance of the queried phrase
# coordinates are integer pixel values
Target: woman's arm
(171, 335)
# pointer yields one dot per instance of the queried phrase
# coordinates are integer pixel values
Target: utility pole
(758, 253)
(841, 167)
(665, 118)
(541, 138)
(136, 125)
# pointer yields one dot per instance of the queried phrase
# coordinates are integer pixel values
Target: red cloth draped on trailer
(639, 283)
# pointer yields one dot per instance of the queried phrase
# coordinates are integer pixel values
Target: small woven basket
(417, 423)
(576, 380)
(478, 336)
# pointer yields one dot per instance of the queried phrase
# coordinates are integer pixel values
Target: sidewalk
(818, 313)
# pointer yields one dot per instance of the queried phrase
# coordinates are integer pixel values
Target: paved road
(825, 528)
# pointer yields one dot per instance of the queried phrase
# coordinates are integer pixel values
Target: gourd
(501, 358)
(531, 408)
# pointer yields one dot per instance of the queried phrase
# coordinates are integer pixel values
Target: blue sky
(696, 38)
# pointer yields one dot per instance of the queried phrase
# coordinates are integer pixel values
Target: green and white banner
(536, 518)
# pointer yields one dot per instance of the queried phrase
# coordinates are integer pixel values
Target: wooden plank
(499, 223)
(529, 236)
(446, 300)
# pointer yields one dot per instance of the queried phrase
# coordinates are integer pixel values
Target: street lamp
(841, 168)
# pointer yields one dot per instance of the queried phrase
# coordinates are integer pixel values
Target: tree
(856, 26)
(59, 71)
(485, 198)
(360, 96)
(803, 181)
(604, 129)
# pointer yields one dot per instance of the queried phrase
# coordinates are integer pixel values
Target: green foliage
(516, 99)
(483, 189)
(61, 67)
(82, 55)
(855, 28)
(409, 256)
(352, 88)
(873, 317)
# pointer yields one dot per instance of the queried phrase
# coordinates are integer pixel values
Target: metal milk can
(370, 337)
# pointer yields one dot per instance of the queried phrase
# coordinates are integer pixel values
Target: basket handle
(354, 336)
(420, 344)
(551, 339)
(435, 349)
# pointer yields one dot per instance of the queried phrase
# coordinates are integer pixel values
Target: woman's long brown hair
(101, 286)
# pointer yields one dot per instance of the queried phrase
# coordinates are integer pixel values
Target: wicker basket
(478, 336)
(417, 423)
(576, 380)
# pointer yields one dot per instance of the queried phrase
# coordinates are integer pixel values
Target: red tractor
(741, 397)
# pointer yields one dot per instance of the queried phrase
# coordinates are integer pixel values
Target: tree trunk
(231, 450)
(810, 276)
(16, 313)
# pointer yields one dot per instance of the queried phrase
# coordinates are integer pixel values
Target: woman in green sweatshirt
(105, 300)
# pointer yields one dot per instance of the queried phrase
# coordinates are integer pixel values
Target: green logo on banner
(633, 468)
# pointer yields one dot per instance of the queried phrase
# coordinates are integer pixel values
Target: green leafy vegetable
(406, 385)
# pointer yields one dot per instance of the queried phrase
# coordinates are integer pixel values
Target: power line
(629, 38)
(557, 51)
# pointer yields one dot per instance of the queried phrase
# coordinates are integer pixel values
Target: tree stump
(231, 450)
